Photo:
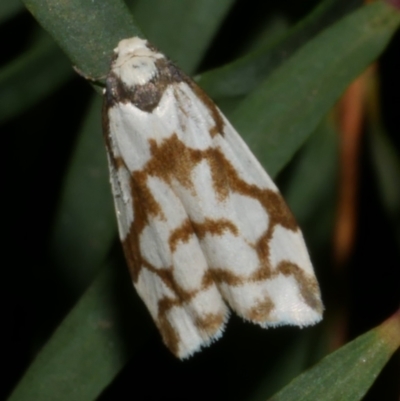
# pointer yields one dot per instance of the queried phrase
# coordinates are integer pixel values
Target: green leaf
(85, 226)
(238, 78)
(32, 76)
(277, 117)
(309, 187)
(86, 30)
(180, 28)
(347, 373)
(310, 192)
(91, 345)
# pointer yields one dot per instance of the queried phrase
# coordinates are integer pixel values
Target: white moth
(202, 224)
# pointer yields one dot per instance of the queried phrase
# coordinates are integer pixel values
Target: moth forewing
(202, 224)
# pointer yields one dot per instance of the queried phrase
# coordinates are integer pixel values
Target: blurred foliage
(74, 327)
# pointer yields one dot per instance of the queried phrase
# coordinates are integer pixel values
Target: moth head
(134, 61)
(130, 46)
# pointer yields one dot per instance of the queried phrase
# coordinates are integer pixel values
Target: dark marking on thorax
(146, 97)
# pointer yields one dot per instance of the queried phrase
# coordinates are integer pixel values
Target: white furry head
(134, 61)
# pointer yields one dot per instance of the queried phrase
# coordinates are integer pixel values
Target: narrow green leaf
(85, 224)
(311, 192)
(308, 187)
(289, 105)
(91, 345)
(32, 76)
(86, 30)
(347, 374)
(238, 78)
(180, 28)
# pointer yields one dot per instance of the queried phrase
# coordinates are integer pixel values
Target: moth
(203, 227)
